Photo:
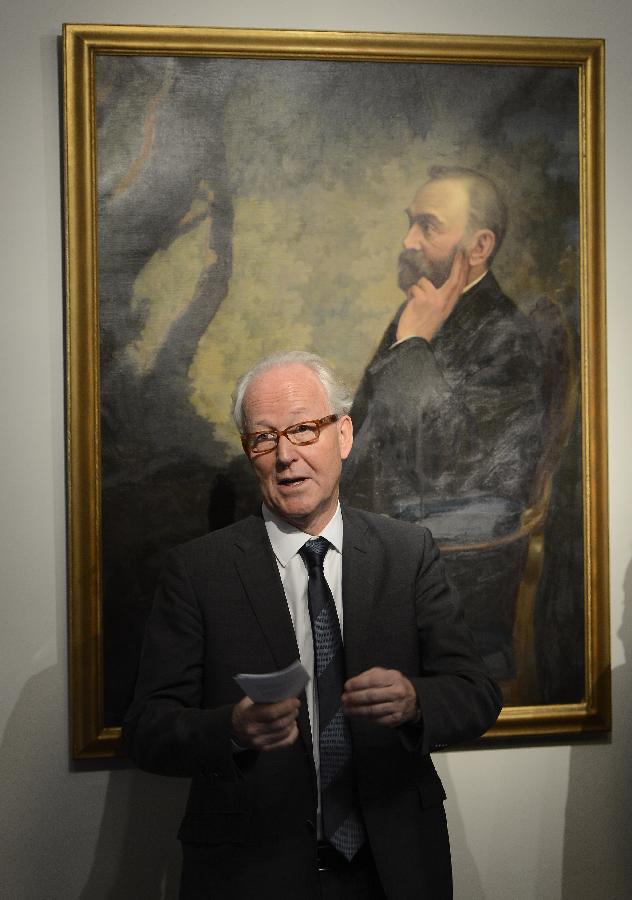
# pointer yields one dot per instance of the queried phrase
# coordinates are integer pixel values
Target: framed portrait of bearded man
(423, 211)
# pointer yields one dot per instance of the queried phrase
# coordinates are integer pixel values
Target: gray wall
(546, 822)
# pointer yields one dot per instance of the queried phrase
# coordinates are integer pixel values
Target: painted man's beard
(413, 265)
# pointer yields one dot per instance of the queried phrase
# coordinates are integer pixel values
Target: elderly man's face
(438, 218)
(298, 483)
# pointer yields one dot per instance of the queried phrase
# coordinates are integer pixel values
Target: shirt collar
(287, 540)
(468, 287)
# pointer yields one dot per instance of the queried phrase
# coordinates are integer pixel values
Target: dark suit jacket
(248, 830)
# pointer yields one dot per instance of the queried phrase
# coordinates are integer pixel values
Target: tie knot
(314, 552)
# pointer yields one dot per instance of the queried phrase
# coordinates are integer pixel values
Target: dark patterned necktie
(342, 825)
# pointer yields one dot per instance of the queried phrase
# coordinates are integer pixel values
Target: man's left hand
(384, 695)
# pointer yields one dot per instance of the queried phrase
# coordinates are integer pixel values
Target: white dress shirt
(286, 542)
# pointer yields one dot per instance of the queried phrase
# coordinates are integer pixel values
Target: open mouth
(291, 482)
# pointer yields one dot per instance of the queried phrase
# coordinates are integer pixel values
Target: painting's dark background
(247, 206)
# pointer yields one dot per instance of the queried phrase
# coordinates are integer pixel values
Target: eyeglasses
(301, 433)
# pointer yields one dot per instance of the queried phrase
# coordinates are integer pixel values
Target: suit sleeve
(167, 730)
(458, 698)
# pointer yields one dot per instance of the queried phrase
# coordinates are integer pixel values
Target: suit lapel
(359, 576)
(259, 574)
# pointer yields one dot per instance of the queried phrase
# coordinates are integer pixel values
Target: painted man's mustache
(413, 265)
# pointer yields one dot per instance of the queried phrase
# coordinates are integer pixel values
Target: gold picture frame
(91, 54)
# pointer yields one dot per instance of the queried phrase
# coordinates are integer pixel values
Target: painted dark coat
(449, 434)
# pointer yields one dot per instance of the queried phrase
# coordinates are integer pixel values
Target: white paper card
(273, 686)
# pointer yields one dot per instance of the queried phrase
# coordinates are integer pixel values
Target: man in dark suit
(331, 794)
(449, 417)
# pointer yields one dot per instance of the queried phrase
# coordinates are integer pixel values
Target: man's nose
(285, 451)
(411, 241)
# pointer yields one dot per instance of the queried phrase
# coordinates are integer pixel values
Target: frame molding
(81, 46)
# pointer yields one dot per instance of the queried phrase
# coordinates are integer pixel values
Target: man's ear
(345, 436)
(481, 247)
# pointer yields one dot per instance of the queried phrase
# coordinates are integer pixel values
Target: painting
(230, 193)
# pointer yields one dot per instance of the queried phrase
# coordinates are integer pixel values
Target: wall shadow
(50, 810)
(45, 818)
(137, 854)
(467, 881)
(597, 860)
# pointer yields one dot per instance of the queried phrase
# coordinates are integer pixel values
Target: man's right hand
(265, 726)
(428, 307)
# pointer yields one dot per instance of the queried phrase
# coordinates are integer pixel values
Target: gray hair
(487, 207)
(337, 393)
